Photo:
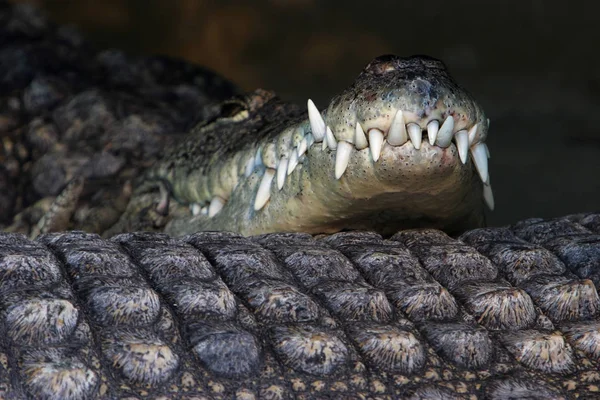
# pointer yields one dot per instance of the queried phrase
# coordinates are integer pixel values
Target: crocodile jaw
(368, 166)
(376, 196)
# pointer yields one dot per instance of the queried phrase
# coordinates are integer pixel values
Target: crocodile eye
(234, 111)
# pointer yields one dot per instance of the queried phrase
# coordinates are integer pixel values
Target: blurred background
(533, 66)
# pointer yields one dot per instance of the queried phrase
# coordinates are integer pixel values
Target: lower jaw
(405, 188)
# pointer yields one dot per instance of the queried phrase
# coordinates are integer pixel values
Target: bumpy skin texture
(69, 112)
(498, 313)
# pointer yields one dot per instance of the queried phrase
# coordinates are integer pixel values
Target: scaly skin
(404, 187)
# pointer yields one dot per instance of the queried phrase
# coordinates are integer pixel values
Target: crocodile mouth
(403, 146)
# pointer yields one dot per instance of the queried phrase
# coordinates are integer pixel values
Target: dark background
(534, 65)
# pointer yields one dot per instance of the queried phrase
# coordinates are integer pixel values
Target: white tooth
(281, 172)
(488, 196)
(432, 131)
(342, 156)
(204, 210)
(215, 206)
(249, 167)
(472, 134)
(360, 140)
(444, 137)
(416, 136)
(264, 189)
(331, 141)
(195, 209)
(302, 146)
(397, 134)
(375, 142)
(316, 121)
(487, 151)
(293, 161)
(462, 142)
(480, 160)
(258, 158)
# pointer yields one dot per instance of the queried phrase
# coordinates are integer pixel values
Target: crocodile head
(403, 146)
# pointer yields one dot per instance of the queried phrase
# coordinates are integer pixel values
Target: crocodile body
(89, 143)
(499, 314)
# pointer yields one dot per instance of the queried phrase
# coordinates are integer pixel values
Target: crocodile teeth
(258, 161)
(416, 136)
(249, 167)
(293, 161)
(488, 196)
(302, 146)
(432, 131)
(375, 143)
(281, 172)
(310, 139)
(472, 134)
(331, 142)
(216, 204)
(317, 124)
(397, 134)
(480, 160)
(462, 142)
(444, 136)
(195, 209)
(487, 151)
(264, 189)
(344, 150)
(360, 140)
(204, 210)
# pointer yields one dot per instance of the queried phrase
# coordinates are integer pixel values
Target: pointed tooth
(195, 209)
(375, 143)
(302, 146)
(397, 135)
(444, 136)
(487, 151)
(473, 133)
(204, 210)
(215, 206)
(249, 167)
(480, 160)
(342, 156)
(462, 142)
(432, 131)
(264, 189)
(360, 140)
(281, 172)
(293, 161)
(331, 140)
(317, 123)
(258, 161)
(416, 136)
(488, 196)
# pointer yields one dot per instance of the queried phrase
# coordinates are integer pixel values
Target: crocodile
(152, 294)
